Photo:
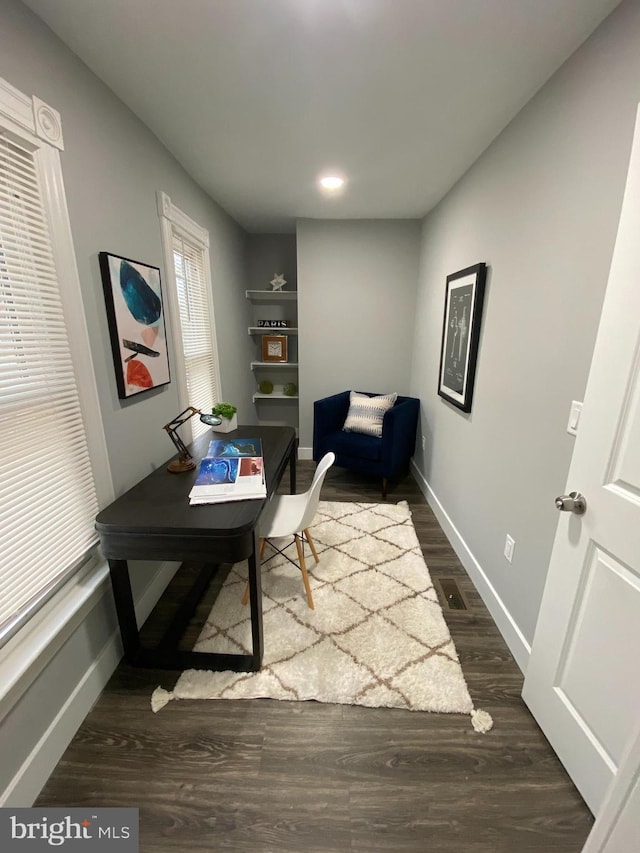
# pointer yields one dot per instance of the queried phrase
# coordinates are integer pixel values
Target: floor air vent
(451, 594)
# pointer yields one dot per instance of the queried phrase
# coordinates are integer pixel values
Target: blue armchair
(381, 457)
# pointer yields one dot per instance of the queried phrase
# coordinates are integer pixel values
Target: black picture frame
(463, 302)
(136, 319)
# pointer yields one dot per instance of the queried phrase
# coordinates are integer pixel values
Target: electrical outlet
(509, 545)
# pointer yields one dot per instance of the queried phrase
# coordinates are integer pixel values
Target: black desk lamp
(185, 461)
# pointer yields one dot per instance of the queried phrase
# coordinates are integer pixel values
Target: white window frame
(173, 219)
(35, 123)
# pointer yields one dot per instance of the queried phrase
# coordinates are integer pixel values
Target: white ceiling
(256, 97)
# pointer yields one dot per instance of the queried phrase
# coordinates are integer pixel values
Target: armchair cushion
(355, 444)
(366, 413)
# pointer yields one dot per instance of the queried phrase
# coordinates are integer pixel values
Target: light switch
(574, 417)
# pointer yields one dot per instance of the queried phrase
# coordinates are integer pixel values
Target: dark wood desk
(154, 521)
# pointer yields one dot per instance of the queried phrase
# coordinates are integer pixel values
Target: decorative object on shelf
(135, 314)
(290, 389)
(185, 461)
(273, 324)
(274, 347)
(266, 386)
(461, 334)
(278, 281)
(226, 415)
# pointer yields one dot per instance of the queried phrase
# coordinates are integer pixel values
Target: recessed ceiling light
(331, 182)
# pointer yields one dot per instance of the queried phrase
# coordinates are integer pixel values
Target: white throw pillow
(366, 413)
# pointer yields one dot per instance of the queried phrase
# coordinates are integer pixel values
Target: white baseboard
(36, 768)
(512, 635)
(305, 452)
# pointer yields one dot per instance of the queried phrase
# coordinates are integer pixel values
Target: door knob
(573, 502)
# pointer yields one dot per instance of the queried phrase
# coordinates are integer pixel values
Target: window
(48, 496)
(187, 262)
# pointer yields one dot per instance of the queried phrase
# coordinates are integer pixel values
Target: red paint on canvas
(137, 374)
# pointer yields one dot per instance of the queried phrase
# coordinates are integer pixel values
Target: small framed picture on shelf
(274, 347)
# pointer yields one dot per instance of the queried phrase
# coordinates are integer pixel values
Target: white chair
(291, 515)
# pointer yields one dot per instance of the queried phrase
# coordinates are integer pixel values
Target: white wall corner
(511, 633)
(305, 452)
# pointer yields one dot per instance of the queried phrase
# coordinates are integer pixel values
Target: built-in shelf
(259, 396)
(272, 330)
(270, 364)
(275, 306)
(271, 295)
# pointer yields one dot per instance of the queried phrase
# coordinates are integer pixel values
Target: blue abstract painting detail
(218, 471)
(235, 447)
(144, 304)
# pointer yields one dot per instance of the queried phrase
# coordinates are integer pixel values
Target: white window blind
(196, 325)
(47, 495)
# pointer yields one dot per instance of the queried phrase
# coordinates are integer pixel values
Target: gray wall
(356, 297)
(112, 167)
(541, 209)
(268, 254)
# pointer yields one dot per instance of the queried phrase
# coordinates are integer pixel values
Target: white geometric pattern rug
(377, 636)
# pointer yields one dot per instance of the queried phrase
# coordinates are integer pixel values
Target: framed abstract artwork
(461, 335)
(135, 313)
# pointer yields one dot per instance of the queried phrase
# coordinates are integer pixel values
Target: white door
(617, 829)
(583, 678)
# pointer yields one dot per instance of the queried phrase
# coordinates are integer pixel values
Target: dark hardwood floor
(263, 775)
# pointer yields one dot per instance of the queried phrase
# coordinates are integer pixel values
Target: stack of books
(232, 470)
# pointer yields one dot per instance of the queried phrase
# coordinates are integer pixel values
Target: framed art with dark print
(461, 334)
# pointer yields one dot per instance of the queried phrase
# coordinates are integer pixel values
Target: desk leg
(255, 601)
(125, 609)
(292, 467)
(166, 656)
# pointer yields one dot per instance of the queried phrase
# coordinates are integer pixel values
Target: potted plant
(228, 413)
